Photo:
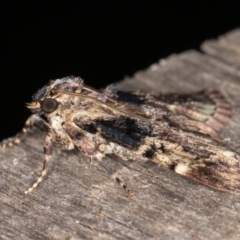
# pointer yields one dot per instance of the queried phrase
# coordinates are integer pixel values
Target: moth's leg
(47, 156)
(32, 120)
(115, 177)
(87, 146)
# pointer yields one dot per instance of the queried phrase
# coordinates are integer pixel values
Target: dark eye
(49, 105)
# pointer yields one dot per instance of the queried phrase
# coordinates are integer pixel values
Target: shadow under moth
(179, 132)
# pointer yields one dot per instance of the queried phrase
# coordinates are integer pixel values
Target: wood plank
(225, 49)
(79, 201)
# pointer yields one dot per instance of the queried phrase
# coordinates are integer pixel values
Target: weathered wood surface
(79, 201)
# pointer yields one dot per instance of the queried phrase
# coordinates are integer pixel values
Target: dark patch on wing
(125, 131)
(129, 98)
(120, 138)
(89, 127)
(125, 125)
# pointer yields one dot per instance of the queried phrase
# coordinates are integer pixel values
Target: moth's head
(46, 99)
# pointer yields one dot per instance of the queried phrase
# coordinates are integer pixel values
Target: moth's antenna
(86, 96)
(88, 89)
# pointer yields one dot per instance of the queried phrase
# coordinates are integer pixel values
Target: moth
(179, 132)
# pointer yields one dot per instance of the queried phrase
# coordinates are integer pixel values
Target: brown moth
(179, 132)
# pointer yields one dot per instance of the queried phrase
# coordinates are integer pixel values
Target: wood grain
(79, 201)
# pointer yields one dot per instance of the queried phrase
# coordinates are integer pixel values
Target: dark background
(101, 41)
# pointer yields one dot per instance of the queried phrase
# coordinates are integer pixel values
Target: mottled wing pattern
(218, 174)
(206, 112)
(196, 156)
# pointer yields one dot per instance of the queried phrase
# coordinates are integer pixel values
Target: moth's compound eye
(49, 105)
